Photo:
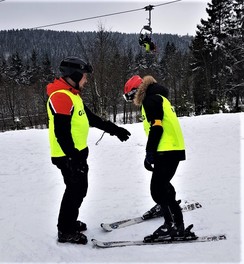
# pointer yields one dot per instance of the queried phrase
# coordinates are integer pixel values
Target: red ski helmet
(131, 87)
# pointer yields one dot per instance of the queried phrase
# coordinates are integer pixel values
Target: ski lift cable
(105, 15)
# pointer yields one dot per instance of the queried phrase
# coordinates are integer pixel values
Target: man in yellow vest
(164, 150)
(69, 122)
(147, 43)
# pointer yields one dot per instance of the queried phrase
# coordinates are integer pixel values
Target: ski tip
(106, 227)
(94, 242)
(99, 244)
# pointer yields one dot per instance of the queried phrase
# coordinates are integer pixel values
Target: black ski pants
(75, 191)
(162, 191)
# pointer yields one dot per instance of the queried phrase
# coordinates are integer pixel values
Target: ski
(151, 214)
(112, 244)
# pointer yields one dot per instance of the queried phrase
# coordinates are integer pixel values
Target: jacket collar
(60, 84)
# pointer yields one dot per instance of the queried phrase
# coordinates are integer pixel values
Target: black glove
(122, 134)
(115, 130)
(149, 160)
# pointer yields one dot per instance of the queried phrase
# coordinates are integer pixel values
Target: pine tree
(236, 53)
(14, 78)
(212, 48)
(176, 77)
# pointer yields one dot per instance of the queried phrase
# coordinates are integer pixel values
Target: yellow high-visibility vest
(172, 137)
(79, 125)
(147, 47)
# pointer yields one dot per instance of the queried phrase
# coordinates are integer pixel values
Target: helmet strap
(72, 83)
(76, 77)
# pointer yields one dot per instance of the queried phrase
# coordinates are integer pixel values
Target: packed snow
(31, 189)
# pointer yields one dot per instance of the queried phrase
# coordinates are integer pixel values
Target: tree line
(217, 64)
(204, 73)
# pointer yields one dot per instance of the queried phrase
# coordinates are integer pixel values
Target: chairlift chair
(145, 35)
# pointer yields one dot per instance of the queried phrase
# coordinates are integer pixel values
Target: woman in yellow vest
(164, 150)
(69, 122)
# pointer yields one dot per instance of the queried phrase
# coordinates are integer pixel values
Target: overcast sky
(179, 17)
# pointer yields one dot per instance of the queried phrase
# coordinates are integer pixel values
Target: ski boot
(75, 237)
(155, 211)
(168, 232)
(80, 226)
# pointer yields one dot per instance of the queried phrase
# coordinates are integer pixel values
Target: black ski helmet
(74, 68)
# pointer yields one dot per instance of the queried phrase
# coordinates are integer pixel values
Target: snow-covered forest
(205, 73)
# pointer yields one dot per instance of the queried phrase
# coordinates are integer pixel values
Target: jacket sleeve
(154, 111)
(98, 122)
(94, 120)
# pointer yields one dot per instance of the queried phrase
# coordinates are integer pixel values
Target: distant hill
(57, 44)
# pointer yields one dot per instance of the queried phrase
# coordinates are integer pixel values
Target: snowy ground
(31, 189)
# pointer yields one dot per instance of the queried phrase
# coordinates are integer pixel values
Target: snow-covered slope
(31, 189)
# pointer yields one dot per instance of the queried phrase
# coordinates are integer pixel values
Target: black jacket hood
(156, 88)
